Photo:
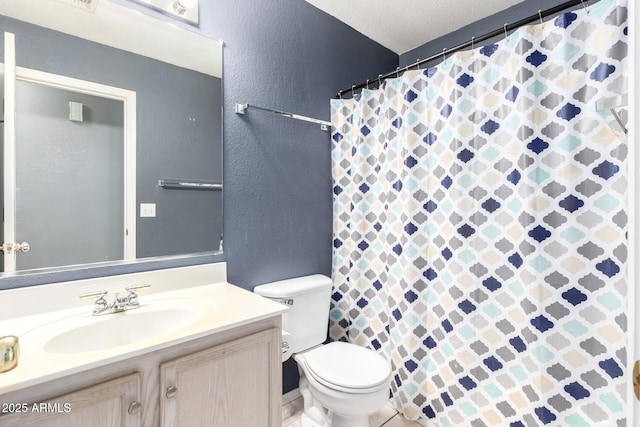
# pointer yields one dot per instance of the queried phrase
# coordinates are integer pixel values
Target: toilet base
(340, 420)
(306, 421)
(337, 420)
(316, 415)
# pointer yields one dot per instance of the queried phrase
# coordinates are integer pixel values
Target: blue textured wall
(290, 56)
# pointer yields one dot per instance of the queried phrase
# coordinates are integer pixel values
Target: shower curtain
(479, 229)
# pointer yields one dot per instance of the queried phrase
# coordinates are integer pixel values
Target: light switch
(147, 210)
(75, 111)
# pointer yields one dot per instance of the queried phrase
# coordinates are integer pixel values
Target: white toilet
(341, 383)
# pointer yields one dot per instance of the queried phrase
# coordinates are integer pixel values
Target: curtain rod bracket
(610, 104)
(240, 108)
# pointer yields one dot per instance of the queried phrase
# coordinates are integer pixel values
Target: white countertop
(221, 306)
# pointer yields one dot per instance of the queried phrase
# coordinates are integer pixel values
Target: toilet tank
(308, 299)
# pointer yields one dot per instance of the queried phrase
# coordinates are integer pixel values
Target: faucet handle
(100, 303)
(132, 289)
(132, 298)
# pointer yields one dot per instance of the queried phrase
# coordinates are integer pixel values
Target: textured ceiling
(403, 25)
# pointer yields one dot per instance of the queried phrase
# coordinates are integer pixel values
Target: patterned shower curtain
(479, 229)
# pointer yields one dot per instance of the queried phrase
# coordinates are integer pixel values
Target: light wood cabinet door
(235, 384)
(103, 405)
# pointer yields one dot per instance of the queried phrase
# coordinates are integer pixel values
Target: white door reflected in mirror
(66, 172)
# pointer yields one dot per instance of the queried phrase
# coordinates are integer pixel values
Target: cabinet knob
(171, 391)
(134, 408)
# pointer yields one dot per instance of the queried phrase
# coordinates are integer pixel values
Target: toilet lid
(347, 365)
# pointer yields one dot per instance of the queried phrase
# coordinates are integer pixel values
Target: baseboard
(290, 396)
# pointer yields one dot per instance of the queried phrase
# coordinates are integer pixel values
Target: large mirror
(118, 136)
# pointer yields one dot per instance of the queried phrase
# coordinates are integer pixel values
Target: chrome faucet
(128, 302)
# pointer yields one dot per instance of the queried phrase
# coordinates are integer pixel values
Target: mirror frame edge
(94, 271)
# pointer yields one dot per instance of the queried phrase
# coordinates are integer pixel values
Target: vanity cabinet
(114, 403)
(229, 385)
(227, 379)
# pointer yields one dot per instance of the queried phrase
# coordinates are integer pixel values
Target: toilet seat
(346, 367)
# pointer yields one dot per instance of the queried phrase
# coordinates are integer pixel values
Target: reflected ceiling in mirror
(176, 75)
(116, 25)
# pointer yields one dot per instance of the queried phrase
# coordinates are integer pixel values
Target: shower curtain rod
(324, 125)
(505, 29)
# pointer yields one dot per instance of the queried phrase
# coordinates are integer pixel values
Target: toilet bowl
(341, 383)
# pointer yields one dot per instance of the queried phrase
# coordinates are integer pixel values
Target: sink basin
(119, 329)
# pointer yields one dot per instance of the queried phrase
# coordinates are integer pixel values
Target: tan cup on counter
(9, 353)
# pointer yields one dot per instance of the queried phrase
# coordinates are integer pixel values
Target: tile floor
(387, 416)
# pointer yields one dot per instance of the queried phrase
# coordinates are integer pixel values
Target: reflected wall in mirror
(176, 78)
(69, 167)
